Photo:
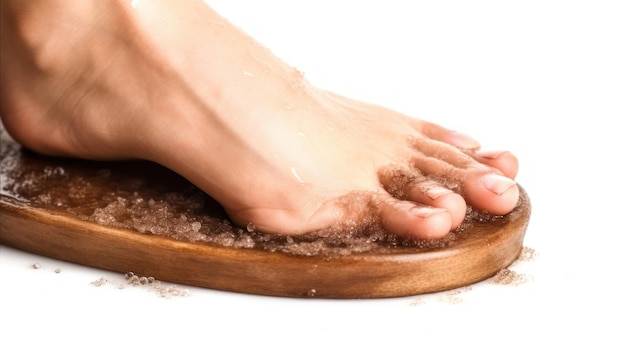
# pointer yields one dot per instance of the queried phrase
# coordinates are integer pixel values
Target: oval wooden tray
(476, 254)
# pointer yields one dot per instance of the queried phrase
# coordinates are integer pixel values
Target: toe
(439, 133)
(433, 194)
(503, 161)
(408, 219)
(492, 192)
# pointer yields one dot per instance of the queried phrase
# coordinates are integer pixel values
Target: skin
(175, 83)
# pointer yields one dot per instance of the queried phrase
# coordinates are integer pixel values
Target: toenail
(497, 184)
(435, 193)
(464, 141)
(426, 211)
(490, 154)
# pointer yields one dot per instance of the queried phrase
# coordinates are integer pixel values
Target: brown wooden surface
(475, 256)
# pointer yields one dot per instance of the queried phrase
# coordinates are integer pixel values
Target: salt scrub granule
(527, 254)
(251, 227)
(99, 282)
(133, 280)
(508, 277)
(149, 199)
(455, 296)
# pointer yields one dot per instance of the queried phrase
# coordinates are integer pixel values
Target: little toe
(411, 220)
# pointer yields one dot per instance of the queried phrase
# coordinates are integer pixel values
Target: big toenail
(497, 184)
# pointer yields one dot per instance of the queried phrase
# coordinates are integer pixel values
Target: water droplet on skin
(248, 74)
(295, 174)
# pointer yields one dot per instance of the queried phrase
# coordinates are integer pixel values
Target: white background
(544, 79)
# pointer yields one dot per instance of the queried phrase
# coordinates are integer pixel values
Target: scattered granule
(172, 291)
(150, 282)
(527, 254)
(36, 266)
(99, 282)
(133, 280)
(417, 301)
(508, 277)
(453, 296)
(58, 270)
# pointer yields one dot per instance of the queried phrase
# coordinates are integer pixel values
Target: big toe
(492, 193)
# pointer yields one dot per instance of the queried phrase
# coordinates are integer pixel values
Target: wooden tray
(475, 254)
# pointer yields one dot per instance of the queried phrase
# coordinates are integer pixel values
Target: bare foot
(175, 83)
